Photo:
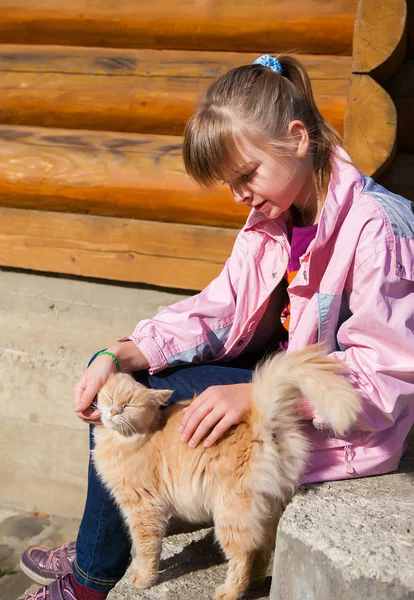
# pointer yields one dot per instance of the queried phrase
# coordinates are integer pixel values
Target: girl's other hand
(213, 412)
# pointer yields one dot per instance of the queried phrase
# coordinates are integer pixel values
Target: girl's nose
(241, 194)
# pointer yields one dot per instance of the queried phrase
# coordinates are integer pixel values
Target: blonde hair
(255, 104)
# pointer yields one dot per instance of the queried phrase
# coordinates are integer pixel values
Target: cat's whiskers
(129, 426)
(121, 425)
(126, 426)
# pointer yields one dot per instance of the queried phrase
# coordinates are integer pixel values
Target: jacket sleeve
(377, 341)
(195, 329)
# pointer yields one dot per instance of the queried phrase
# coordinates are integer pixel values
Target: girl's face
(272, 184)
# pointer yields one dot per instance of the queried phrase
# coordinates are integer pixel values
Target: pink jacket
(354, 291)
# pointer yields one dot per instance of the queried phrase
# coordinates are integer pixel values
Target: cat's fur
(242, 482)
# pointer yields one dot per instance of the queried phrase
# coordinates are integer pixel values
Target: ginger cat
(242, 482)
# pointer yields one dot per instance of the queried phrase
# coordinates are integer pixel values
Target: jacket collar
(345, 182)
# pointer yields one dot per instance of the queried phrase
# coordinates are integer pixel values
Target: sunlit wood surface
(146, 91)
(316, 26)
(370, 126)
(166, 254)
(126, 175)
(380, 41)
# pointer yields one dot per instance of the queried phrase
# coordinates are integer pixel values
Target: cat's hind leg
(240, 537)
(260, 564)
(263, 554)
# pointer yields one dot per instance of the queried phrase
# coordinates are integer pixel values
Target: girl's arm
(191, 330)
(196, 328)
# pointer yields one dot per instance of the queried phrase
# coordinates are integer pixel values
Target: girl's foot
(44, 564)
(65, 588)
(60, 589)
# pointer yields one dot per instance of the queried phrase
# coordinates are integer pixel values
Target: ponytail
(324, 137)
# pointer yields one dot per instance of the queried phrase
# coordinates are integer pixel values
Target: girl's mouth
(260, 206)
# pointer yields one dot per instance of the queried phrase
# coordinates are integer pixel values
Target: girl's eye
(248, 175)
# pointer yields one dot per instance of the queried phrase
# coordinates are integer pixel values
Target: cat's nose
(113, 412)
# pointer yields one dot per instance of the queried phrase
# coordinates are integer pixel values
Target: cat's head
(128, 406)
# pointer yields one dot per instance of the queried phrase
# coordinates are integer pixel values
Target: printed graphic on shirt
(301, 238)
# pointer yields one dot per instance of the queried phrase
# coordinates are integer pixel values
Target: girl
(326, 255)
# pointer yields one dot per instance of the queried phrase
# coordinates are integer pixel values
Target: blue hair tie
(270, 62)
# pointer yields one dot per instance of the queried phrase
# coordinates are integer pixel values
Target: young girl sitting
(326, 255)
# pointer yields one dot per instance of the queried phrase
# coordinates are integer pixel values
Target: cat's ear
(159, 397)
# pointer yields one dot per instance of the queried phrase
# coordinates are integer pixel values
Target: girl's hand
(95, 376)
(215, 410)
(89, 384)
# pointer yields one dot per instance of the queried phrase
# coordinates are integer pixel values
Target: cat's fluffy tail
(278, 385)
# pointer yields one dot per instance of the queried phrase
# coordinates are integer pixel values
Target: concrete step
(349, 540)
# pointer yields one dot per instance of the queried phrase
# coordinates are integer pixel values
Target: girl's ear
(300, 135)
(159, 397)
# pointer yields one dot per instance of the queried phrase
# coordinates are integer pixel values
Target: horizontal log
(313, 26)
(123, 175)
(401, 89)
(398, 178)
(370, 128)
(142, 176)
(380, 41)
(170, 255)
(145, 91)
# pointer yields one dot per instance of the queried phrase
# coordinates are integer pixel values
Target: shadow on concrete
(198, 555)
(260, 592)
(407, 462)
(176, 526)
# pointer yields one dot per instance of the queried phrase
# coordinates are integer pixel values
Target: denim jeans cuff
(99, 585)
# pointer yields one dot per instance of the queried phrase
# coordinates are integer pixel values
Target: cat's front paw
(140, 580)
(225, 593)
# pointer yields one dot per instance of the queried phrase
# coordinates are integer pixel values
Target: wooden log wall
(93, 101)
(379, 48)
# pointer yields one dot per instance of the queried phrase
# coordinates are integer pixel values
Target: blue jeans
(103, 545)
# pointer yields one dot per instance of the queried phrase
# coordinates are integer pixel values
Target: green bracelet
(116, 359)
